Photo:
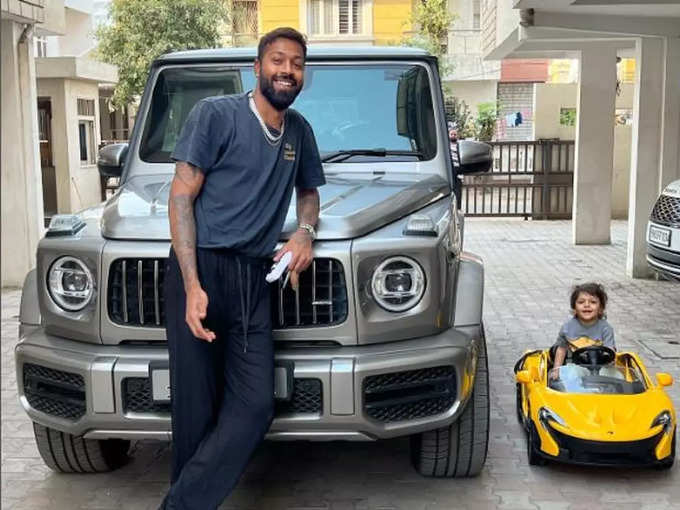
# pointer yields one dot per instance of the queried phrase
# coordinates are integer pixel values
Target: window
(41, 46)
(245, 18)
(476, 8)
(335, 17)
(86, 118)
(349, 107)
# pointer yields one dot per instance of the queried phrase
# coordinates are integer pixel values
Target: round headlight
(70, 284)
(398, 284)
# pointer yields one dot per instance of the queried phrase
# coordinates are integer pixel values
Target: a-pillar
(22, 203)
(670, 128)
(645, 150)
(594, 160)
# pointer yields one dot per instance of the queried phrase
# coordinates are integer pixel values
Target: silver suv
(663, 233)
(384, 336)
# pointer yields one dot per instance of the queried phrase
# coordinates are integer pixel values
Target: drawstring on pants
(245, 301)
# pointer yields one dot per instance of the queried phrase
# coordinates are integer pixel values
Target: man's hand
(300, 246)
(197, 309)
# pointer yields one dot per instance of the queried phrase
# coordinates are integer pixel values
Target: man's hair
(281, 32)
(592, 288)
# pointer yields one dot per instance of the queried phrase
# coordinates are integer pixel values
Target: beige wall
(78, 185)
(22, 204)
(473, 92)
(550, 98)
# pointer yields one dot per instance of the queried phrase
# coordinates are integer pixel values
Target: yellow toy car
(601, 409)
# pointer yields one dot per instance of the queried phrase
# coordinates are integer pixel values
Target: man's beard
(282, 99)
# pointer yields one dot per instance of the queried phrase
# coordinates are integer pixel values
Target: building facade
(601, 36)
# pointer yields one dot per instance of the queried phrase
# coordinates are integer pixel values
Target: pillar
(645, 150)
(22, 203)
(594, 159)
(670, 127)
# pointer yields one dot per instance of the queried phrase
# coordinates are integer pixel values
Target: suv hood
(352, 205)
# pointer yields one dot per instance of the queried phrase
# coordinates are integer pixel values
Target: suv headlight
(398, 284)
(70, 283)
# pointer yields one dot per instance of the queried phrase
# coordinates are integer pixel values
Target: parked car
(384, 337)
(602, 409)
(663, 233)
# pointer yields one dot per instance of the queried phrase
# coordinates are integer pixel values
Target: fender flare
(29, 314)
(469, 301)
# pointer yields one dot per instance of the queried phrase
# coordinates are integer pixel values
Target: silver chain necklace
(271, 139)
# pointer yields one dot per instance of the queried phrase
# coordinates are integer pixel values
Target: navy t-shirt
(248, 182)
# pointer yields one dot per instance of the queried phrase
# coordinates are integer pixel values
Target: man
(238, 159)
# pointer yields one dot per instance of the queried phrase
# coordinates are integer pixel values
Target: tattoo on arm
(308, 206)
(185, 187)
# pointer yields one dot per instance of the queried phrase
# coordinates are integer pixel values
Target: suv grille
(307, 397)
(135, 295)
(54, 392)
(666, 211)
(410, 395)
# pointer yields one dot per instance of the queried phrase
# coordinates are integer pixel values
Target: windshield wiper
(339, 156)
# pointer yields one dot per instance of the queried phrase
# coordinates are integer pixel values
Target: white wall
(549, 98)
(22, 204)
(78, 39)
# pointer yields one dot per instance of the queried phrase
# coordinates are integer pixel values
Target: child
(587, 327)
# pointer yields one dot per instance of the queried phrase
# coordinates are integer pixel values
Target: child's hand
(554, 374)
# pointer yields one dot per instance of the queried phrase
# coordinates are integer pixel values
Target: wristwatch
(309, 228)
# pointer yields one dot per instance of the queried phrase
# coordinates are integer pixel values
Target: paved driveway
(529, 269)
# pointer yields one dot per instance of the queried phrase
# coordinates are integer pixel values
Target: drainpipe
(26, 33)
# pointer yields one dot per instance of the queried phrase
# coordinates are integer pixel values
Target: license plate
(283, 382)
(160, 385)
(660, 236)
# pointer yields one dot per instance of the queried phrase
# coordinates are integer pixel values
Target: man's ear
(257, 67)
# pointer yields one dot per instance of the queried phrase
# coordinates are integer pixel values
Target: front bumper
(103, 376)
(648, 451)
(665, 259)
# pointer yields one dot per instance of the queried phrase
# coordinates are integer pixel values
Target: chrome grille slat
(311, 306)
(314, 305)
(156, 301)
(124, 284)
(140, 291)
(330, 288)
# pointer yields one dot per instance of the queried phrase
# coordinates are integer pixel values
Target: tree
(141, 30)
(432, 20)
(485, 123)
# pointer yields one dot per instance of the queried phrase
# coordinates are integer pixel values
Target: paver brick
(529, 269)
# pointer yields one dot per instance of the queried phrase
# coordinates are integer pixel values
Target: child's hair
(592, 288)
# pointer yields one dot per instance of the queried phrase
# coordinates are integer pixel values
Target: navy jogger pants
(222, 392)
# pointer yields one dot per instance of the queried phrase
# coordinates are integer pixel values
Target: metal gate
(532, 179)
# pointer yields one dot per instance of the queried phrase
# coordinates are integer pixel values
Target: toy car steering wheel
(593, 355)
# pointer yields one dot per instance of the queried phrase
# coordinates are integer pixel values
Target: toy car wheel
(66, 453)
(533, 441)
(667, 463)
(460, 449)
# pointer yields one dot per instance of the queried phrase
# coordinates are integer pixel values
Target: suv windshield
(350, 107)
(620, 378)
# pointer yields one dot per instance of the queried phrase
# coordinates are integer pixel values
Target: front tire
(533, 442)
(460, 449)
(66, 453)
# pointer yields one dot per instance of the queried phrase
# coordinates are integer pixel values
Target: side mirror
(111, 158)
(523, 377)
(664, 379)
(474, 157)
